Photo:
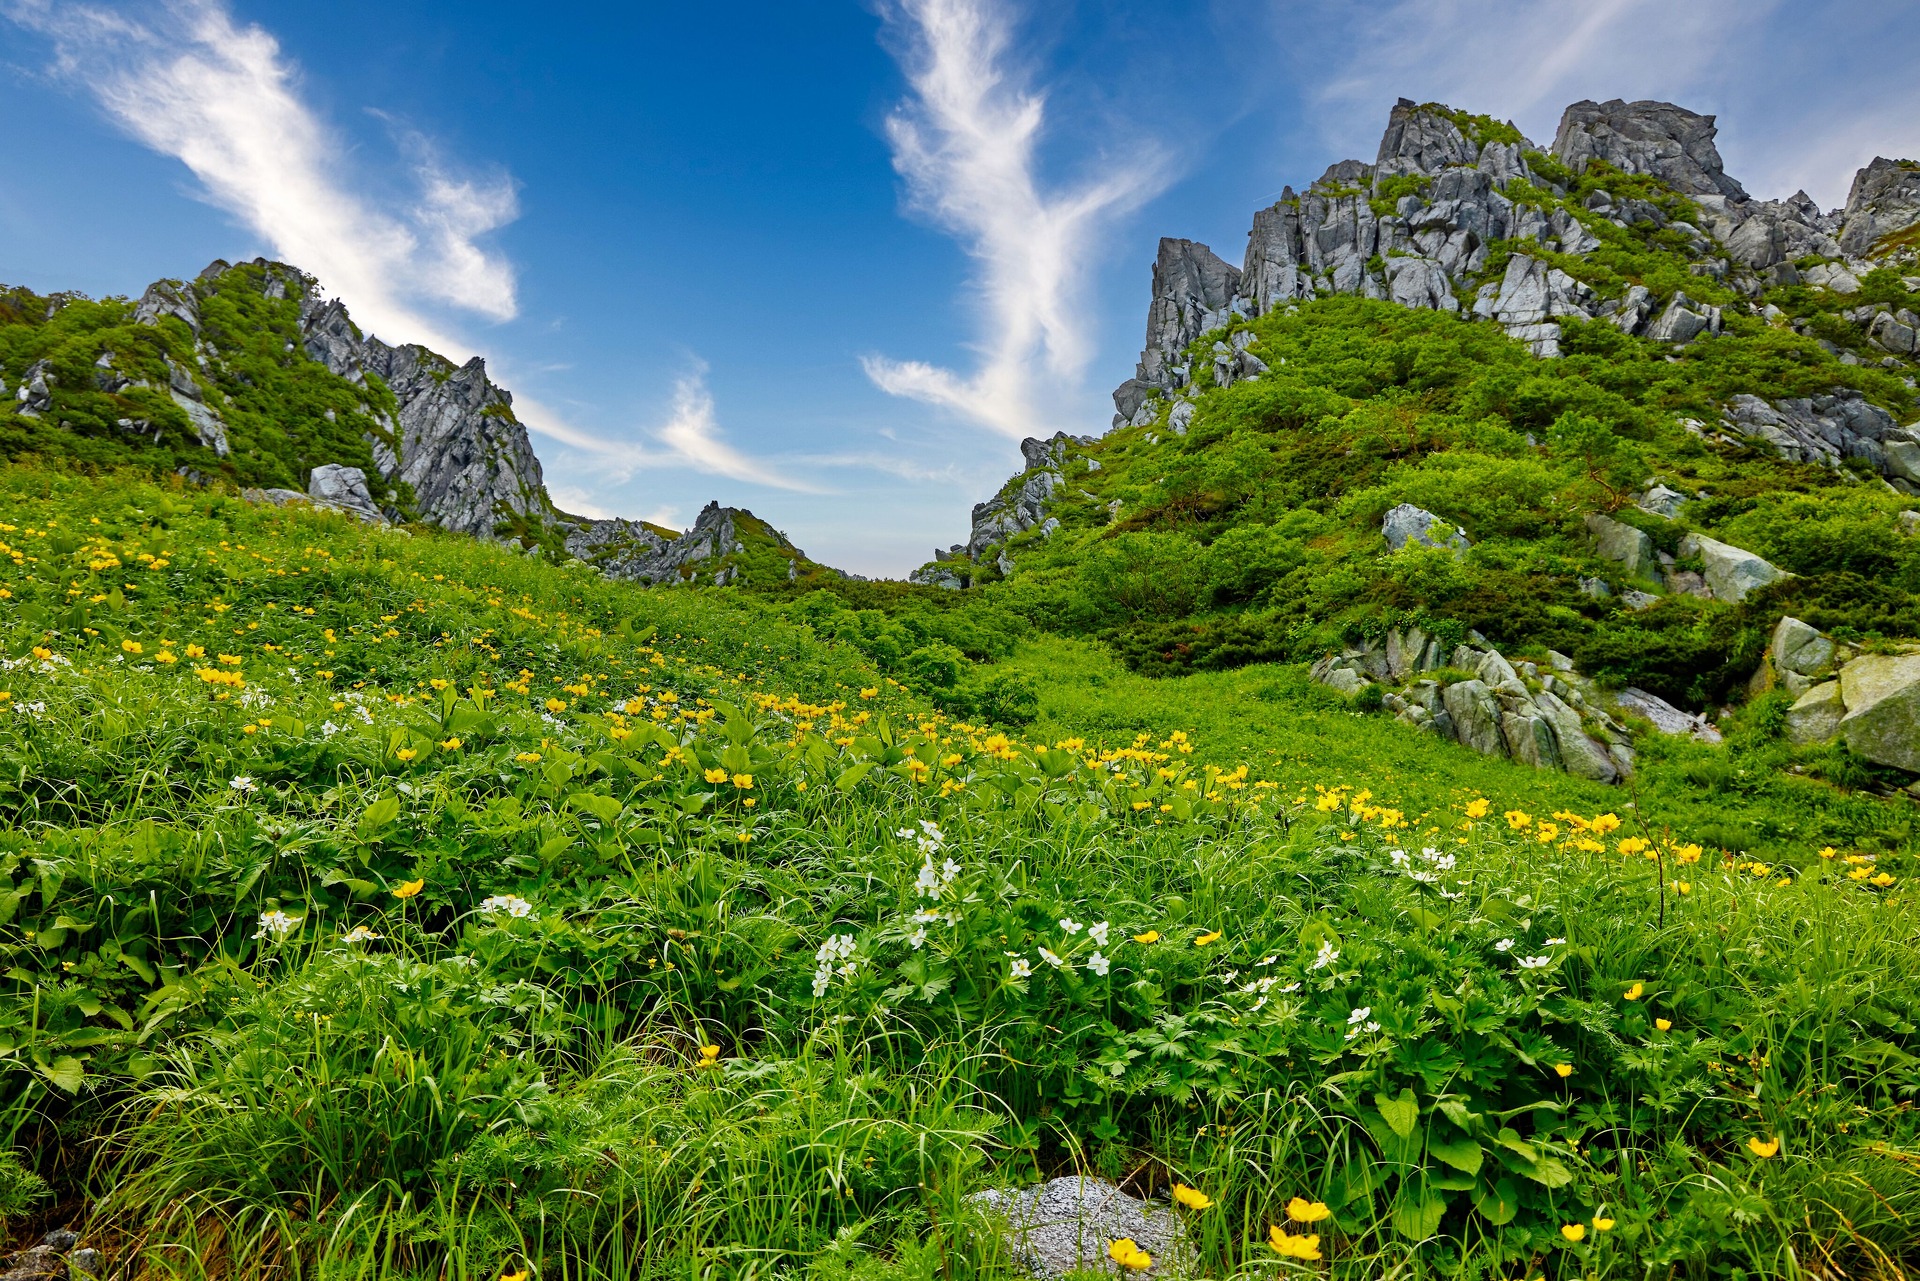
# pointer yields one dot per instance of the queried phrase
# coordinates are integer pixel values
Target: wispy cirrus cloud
(186, 79)
(966, 144)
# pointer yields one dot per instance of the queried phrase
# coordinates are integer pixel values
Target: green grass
(414, 978)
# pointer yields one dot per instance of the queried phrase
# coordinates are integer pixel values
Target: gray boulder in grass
(1409, 524)
(335, 485)
(1065, 1225)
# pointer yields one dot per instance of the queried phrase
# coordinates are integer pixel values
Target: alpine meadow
(1430, 791)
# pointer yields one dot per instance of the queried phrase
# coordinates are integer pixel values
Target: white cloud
(966, 145)
(692, 434)
(188, 81)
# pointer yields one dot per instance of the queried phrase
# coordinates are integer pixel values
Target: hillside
(404, 906)
(250, 375)
(1589, 409)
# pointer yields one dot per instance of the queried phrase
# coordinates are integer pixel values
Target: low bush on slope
(405, 907)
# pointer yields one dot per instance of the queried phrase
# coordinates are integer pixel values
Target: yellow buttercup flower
(1633, 993)
(1763, 1148)
(1301, 1210)
(1602, 1225)
(528, 758)
(1574, 1231)
(521, 1275)
(407, 889)
(1128, 1255)
(556, 704)
(1564, 1069)
(1212, 936)
(1151, 936)
(743, 781)
(715, 776)
(1478, 808)
(1305, 1248)
(1664, 1025)
(451, 744)
(1192, 1198)
(407, 753)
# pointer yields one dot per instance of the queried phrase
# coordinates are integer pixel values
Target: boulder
(1730, 572)
(1407, 523)
(1884, 200)
(1799, 648)
(1580, 755)
(345, 489)
(1882, 696)
(1626, 546)
(1683, 321)
(1661, 501)
(1065, 1225)
(1657, 138)
(1665, 717)
(1816, 717)
(1476, 717)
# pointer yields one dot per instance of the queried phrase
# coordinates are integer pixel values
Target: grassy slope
(1741, 798)
(510, 1076)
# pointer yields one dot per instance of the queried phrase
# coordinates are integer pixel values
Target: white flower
(1555, 942)
(241, 783)
(1534, 962)
(1360, 1015)
(328, 729)
(1098, 933)
(1269, 961)
(360, 934)
(1052, 959)
(1399, 857)
(1326, 956)
(512, 904)
(1504, 945)
(906, 834)
(1098, 964)
(276, 923)
(917, 939)
(949, 870)
(1291, 987)
(821, 977)
(837, 948)
(1448, 894)
(1021, 968)
(1425, 878)
(1070, 925)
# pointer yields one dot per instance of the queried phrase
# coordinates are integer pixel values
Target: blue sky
(826, 260)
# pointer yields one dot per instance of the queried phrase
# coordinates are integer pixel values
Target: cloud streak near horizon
(965, 144)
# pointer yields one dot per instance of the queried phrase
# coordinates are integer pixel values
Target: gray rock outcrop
(1869, 701)
(1409, 524)
(1626, 546)
(1883, 201)
(1730, 572)
(1066, 1225)
(455, 439)
(1882, 697)
(1658, 138)
(1550, 720)
(345, 489)
(630, 551)
(1815, 717)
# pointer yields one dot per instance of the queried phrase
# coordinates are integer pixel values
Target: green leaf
(1400, 1114)
(1499, 1203)
(851, 776)
(1549, 1172)
(66, 1072)
(1426, 920)
(377, 816)
(1457, 1111)
(1418, 1219)
(604, 808)
(1461, 1154)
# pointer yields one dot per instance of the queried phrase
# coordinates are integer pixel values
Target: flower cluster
(512, 904)
(835, 956)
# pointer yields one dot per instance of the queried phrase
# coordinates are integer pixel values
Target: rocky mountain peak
(1671, 143)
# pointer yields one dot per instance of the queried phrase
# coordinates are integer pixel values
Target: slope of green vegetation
(393, 905)
(285, 413)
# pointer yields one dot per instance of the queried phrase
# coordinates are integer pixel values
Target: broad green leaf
(1426, 920)
(604, 808)
(66, 1072)
(1419, 1218)
(377, 816)
(1461, 1154)
(1400, 1114)
(1549, 1172)
(1499, 1203)
(851, 776)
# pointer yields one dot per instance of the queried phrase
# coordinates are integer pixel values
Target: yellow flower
(1763, 1148)
(1212, 936)
(1633, 993)
(408, 889)
(1301, 1210)
(1859, 873)
(1478, 808)
(451, 744)
(873, 691)
(406, 754)
(709, 1056)
(528, 758)
(743, 781)
(1683, 887)
(556, 704)
(521, 1275)
(1606, 823)
(1602, 1225)
(745, 838)
(1518, 819)
(1574, 1231)
(1564, 1069)
(196, 651)
(132, 647)
(1192, 1198)
(716, 776)
(42, 653)
(1665, 1025)
(164, 657)
(1883, 880)
(1151, 936)
(231, 660)
(1828, 852)
(439, 683)
(1128, 1255)
(1306, 1248)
